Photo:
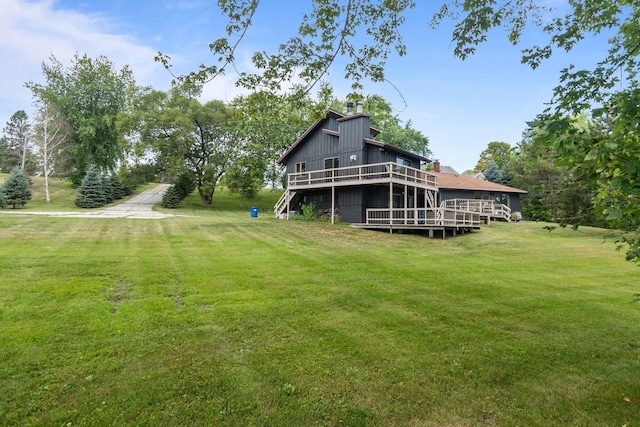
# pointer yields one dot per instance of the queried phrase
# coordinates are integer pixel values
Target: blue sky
(460, 105)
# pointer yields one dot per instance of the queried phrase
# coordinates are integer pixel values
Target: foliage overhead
(89, 94)
(365, 32)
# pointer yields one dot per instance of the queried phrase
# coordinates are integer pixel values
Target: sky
(461, 106)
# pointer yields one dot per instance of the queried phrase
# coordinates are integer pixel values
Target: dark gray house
(338, 165)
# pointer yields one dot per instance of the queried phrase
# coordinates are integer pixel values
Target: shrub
(309, 212)
(16, 189)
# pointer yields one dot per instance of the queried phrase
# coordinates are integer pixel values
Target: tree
(16, 188)
(3, 199)
(494, 174)
(6, 161)
(91, 193)
(267, 128)
(496, 152)
(554, 192)
(89, 95)
(18, 135)
(51, 136)
(183, 135)
(172, 197)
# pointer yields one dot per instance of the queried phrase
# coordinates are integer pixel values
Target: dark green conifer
(172, 197)
(91, 192)
(16, 189)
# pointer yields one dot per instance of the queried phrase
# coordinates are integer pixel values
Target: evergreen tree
(172, 197)
(185, 184)
(107, 189)
(3, 199)
(118, 188)
(91, 191)
(16, 189)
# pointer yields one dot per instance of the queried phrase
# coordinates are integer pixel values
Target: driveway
(138, 207)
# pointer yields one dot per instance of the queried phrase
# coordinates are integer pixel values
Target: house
(339, 166)
(502, 200)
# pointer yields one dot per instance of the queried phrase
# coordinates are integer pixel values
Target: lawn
(223, 319)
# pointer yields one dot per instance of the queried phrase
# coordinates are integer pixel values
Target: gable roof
(398, 150)
(340, 117)
(465, 182)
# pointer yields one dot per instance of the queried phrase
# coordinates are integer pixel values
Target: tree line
(92, 116)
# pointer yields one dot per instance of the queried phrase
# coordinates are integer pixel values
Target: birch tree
(52, 136)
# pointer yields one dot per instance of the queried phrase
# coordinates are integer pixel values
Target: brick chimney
(436, 166)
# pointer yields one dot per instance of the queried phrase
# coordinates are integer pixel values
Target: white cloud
(32, 31)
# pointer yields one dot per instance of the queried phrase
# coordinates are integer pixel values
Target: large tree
(181, 134)
(6, 161)
(496, 152)
(89, 94)
(269, 127)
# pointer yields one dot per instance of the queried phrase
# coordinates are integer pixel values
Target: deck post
(287, 201)
(333, 202)
(406, 196)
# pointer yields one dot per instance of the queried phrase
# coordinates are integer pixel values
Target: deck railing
(483, 207)
(357, 174)
(428, 217)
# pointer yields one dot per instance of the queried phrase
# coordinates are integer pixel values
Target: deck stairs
(280, 207)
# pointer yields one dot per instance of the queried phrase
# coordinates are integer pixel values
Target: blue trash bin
(254, 212)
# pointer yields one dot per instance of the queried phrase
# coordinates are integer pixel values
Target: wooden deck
(452, 216)
(486, 208)
(430, 219)
(377, 173)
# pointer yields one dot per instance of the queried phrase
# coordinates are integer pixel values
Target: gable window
(301, 167)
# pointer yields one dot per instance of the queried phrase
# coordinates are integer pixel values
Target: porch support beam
(333, 203)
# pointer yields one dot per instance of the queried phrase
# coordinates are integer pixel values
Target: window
(301, 167)
(331, 163)
(402, 161)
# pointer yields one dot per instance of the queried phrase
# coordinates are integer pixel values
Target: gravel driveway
(139, 207)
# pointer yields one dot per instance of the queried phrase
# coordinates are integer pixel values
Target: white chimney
(359, 107)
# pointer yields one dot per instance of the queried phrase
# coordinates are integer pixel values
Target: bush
(91, 192)
(16, 189)
(172, 197)
(309, 212)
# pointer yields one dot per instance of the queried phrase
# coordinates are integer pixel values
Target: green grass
(224, 319)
